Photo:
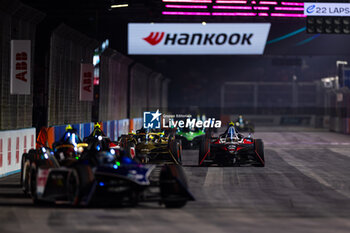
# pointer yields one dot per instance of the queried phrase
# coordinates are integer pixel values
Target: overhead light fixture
(327, 25)
(119, 5)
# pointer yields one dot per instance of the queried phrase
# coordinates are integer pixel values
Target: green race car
(190, 138)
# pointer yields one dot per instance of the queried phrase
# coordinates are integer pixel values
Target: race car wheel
(175, 149)
(203, 151)
(73, 188)
(22, 166)
(177, 204)
(25, 175)
(259, 150)
(33, 185)
(173, 186)
(178, 151)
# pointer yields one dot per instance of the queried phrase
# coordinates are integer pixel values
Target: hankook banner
(195, 38)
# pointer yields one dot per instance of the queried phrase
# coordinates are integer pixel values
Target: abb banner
(20, 67)
(13, 144)
(195, 38)
(86, 82)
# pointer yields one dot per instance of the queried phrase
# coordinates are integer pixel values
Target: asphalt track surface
(305, 187)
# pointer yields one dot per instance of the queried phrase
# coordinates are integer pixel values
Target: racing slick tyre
(73, 188)
(179, 151)
(25, 169)
(175, 147)
(208, 133)
(173, 186)
(33, 185)
(259, 151)
(203, 151)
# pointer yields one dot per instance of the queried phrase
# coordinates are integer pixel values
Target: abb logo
(87, 81)
(21, 66)
(154, 38)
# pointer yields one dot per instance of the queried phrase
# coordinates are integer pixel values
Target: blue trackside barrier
(123, 127)
(138, 122)
(113, 129)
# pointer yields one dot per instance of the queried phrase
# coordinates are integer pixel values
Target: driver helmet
(231, 132)
(70, 136)
(97, 130)
(240, 119)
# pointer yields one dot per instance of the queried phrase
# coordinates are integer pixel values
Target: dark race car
(79, 175)
(154, 147)
(231, 149)
(244, 125)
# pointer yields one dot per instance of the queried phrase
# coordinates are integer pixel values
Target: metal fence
(68, 50)
(17, 22)
(113, 86)
(272, 98)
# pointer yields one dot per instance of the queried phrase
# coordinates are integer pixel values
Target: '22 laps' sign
(195, 38)
(20, 67)
(326, 9)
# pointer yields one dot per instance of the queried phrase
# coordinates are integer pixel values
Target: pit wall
(13, 144)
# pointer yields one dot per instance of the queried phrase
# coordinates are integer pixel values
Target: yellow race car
(149, 146)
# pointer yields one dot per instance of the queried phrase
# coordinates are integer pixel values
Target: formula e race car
(231, 149)
(71, 174)
(190, 138)
(244, 125)
(153, 147)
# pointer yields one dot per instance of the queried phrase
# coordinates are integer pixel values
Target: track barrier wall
(13, 144)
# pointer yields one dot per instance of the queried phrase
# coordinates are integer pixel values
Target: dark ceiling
(95, 19)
